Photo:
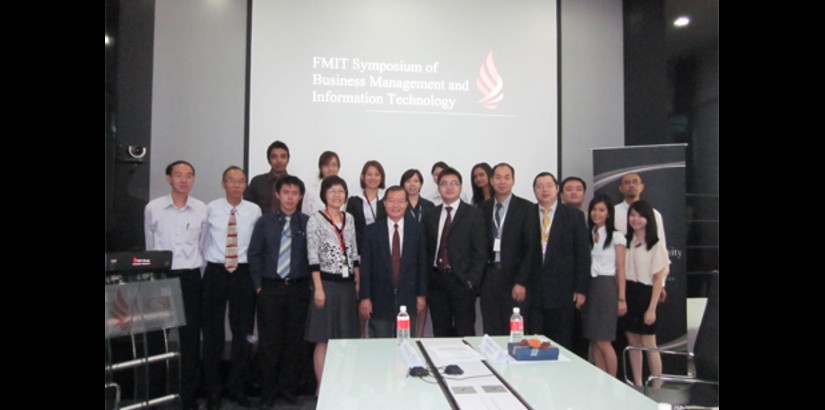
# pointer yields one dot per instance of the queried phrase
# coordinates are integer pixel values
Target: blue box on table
(519, 352)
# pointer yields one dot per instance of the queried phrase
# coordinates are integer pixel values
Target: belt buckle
(288, 281)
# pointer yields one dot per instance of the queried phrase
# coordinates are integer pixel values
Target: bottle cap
(516, 310)
(403, 309)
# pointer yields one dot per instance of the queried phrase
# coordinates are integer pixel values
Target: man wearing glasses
(456, 246)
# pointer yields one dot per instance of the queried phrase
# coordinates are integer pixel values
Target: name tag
(345, 271)
(497, 245)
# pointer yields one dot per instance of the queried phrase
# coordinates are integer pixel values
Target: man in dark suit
(511, 237)
(456, 250)
(561, 273)
(280, 272)
(393, 266)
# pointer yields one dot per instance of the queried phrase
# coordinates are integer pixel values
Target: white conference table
(372, 374)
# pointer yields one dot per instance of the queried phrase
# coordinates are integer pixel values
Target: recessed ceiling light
(107, 40)
(681, 21)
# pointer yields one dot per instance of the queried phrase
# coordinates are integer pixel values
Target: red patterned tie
(395, 258)
(231, 262)
(443, 255)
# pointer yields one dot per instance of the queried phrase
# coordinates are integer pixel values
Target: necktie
(284, 254)
(231, 254)
(498, 220)
(545, 230)
(545, 225)
(395, 258)
(443, 256)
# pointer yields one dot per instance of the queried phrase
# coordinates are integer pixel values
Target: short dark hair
(395, 188)
(504, 164)
(408, 174)
(290, 180)
(325, 158)
(277, 145)
(178, 162)
(377, 165)
(440, 164)
(651, 230)
(450, 171)
(568, 179)
(329, 182)
(232, 168)
(544, 174)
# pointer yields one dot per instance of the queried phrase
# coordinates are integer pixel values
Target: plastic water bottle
(516, 326)
(402, 325)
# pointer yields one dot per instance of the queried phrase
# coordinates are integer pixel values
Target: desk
(371, 374)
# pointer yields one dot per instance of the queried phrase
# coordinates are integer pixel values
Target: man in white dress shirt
(177, 222)
(226, 279)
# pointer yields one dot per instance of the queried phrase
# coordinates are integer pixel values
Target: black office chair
(693, 390)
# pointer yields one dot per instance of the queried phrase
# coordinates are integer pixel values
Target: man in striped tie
(226, 280)
(280, 272)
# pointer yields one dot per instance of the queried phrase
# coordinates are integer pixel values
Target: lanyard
(338, 232)
(369, 204)
(415, 216)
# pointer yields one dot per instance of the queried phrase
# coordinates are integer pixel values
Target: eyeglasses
(396, 201)
(336, 192)
(235, 181)
(453, 183)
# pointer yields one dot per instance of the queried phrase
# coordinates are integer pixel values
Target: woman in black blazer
(412, 181)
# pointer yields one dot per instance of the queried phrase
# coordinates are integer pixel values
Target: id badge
(345, 271)
(497, 245)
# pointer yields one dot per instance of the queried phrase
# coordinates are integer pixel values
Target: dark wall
(645, 79)
(128, 108)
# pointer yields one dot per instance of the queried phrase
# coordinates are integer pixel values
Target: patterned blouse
(324, 248)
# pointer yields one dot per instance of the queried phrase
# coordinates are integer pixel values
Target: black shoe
(242, 399)
(289, 397)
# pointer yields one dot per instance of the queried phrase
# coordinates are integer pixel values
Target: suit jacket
(467, 242)
(355, 206)
(266, 244)
(518, 239)
(376, 267)
(566, 269)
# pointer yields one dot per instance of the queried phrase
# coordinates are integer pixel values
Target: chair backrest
(706, 349)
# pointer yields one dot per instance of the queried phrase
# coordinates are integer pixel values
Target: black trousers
(384, 328)
(282, 318)
(190, 335)
(219, 288)
(452, 305)
(556, 323)
(497, 303)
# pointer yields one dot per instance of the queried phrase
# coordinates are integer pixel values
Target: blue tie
(285, 251)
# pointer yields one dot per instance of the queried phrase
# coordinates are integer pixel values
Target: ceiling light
(681, 21)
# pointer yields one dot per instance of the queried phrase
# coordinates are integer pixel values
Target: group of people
(323, 263)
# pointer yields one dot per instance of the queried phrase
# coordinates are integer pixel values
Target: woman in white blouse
(646, 266)
(606, 296)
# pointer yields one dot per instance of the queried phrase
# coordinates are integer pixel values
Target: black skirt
(638, 299)
(338, 319)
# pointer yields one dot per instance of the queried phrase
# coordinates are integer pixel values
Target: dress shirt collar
(506, 202)
(391, 225)
(170, 202)
(455, 205)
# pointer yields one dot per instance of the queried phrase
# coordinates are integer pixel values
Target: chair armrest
(689, 356)
(674, 378)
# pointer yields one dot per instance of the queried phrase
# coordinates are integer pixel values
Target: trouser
(190, 335)
(452, 305)
(497, 302)
(282, 318)
(219, 288)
